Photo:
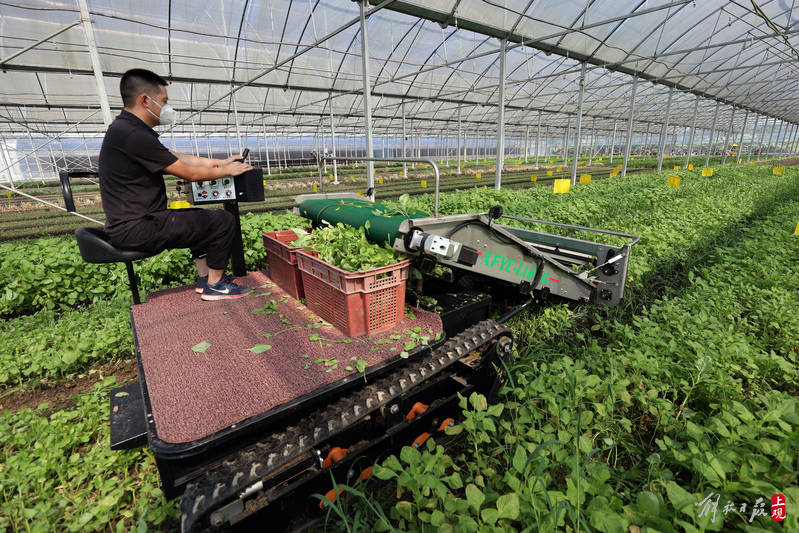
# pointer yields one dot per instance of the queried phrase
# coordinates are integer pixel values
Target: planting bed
(609, 419)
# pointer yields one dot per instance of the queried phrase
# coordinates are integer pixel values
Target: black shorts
(207, 233)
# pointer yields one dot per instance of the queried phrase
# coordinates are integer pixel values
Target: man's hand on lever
(236, 167)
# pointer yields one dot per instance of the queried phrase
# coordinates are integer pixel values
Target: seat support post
(132, 280)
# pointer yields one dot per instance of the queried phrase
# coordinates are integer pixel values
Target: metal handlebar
(371, 186)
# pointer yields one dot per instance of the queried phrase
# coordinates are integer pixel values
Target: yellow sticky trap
(533, 178)
(796, 231)
(777, 171)
(518, 163)
(562, 186)
(315, 187)
(559, 169)
(674, 181)
(310, 173)
(676, 167)
(619, 166)
(424, 184)
(380, 179)
(614, 173)
(707, 171)
(264, 182)
(751, 163)
(549, 172)
(493, 167)
(8, 194)
(179, 204)
(478, 175)
(330, 177)
(585, 179)
(690, 166)
(360, 193)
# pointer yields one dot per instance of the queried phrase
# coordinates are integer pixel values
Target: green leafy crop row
(57, 473)
(49, 273)
(46, 344)
(632, 416)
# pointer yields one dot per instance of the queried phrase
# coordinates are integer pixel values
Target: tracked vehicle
(247, 437)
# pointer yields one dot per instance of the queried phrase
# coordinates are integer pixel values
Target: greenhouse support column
(35, 156)
(10, 166)
(613, 143)
(95, 58)
(762, 138)
(333, 140)
(629, 140)
(688, 153)
(579, 129)
(266, 148)
(404, 139)
(194, 137)
(500, 159)
(664, 129)
(752, 140)
(236, 122)
(593, 141)
(776, 152)
(785, 136)
(792, 145)
(565, 151)
(788, 139)
(459, 140)
(770, 137)
(741, 141)
(710, 142)
(526, 143)
(730, 133)
(367, 103)
(538, 140)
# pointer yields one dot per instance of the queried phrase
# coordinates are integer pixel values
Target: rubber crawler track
(225, 482)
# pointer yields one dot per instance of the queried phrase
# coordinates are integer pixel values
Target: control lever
(244, 155)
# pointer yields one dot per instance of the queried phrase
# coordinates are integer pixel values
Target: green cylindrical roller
(383, 221)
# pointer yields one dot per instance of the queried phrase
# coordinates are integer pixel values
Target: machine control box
(247, 187)
(213, 190)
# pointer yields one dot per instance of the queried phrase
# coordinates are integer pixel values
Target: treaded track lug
(224, 483)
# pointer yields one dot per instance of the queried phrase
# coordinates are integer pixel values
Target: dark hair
(137, 81)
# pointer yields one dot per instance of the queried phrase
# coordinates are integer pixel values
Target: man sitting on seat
(132, 166)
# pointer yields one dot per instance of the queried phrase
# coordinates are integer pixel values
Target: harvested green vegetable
(347, 248)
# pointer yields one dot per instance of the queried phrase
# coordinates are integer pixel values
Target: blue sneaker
(202, 281)
(224, 290)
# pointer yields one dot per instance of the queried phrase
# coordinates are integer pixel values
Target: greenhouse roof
(289, 63)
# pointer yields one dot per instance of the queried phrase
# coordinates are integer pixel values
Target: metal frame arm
(635, 238)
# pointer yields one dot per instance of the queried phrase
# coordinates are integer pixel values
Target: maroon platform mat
(194, 395)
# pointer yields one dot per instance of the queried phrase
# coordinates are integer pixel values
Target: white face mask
(168, 115)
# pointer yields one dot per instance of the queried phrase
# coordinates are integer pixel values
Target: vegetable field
(675, 411)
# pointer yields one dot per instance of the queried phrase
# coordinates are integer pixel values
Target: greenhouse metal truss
(450, 78)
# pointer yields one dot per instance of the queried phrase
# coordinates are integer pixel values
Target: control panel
(214, 190)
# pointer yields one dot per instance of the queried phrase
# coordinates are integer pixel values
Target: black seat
(94, 245)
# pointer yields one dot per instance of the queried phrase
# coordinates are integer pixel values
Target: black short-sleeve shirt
(132, 160)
